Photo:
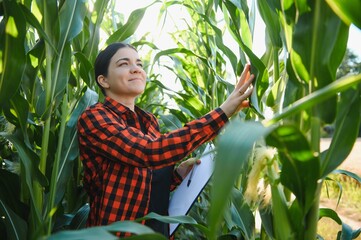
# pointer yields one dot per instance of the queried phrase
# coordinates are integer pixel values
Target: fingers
(192, 161)
(247, 91)
(245, 104)
(245, 74)
(246, 87)
(245, 80)
(236, 100)
(244, 92)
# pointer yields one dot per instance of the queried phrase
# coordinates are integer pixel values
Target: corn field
(270, 151)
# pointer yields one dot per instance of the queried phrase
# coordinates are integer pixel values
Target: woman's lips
(135, 79)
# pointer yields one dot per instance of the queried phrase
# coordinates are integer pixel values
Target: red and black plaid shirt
(118, 158)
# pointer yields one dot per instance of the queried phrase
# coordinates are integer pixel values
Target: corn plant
(296, 79)
(52, 44)
(304, 94)
(46, 81)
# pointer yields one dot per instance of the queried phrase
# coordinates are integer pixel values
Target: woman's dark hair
(103, 59)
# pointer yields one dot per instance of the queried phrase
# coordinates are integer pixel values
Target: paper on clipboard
(187, 192)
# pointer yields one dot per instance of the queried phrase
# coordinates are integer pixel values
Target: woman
(128, 164)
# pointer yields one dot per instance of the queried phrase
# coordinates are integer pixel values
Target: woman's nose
(135, 68)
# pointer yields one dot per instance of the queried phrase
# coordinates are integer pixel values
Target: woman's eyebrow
(122, 59)
(127, 59)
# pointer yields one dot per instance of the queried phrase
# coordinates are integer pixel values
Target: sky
(163, 40)
(354, 39)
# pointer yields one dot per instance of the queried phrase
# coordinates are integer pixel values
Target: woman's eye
(122, 64)
(140, 65)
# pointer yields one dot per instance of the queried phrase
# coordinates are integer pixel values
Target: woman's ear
(103, 81)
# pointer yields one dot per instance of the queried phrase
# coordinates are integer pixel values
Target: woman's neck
(126, 101)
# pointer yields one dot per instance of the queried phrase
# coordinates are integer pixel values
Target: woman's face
(126, 76)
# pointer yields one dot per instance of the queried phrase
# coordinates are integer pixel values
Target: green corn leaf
(94, 233)
(296, 218)
(49, 10)
(13, 51)
(171, 122)
(316, 97)
(10, 193)
(330, 213)
(356, 233)
(219, 41)
(106, 232)
(287, 21)
(70, 149)
(128, 226)
(231, 217)
(180, 50)
(267, 221)
(31, 19)
(347, 232)
(281, 215)
(245, 30)
(71, 17)
(302, 6)
(85, 69)
(193, 104)
(348, 173)
(294, 88)
(273, 99)
(29, 159)
(233, 149)
(80, 217)
(91, 48)
(348, 11)
(62, 73)
(129, 27)
(300, 168)
(148, 236)
(70, 146)
(175, 219)
(347, 124)
(233, 234)
(16, 227)
(168, 219)
(258, 68)
(31, 84)
(325, 49)
(270, 18)
(16, 111)
(244, 213)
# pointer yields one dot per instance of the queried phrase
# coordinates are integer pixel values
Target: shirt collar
(120, 109)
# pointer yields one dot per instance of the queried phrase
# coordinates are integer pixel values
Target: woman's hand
(237, 99)
(186, 166)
